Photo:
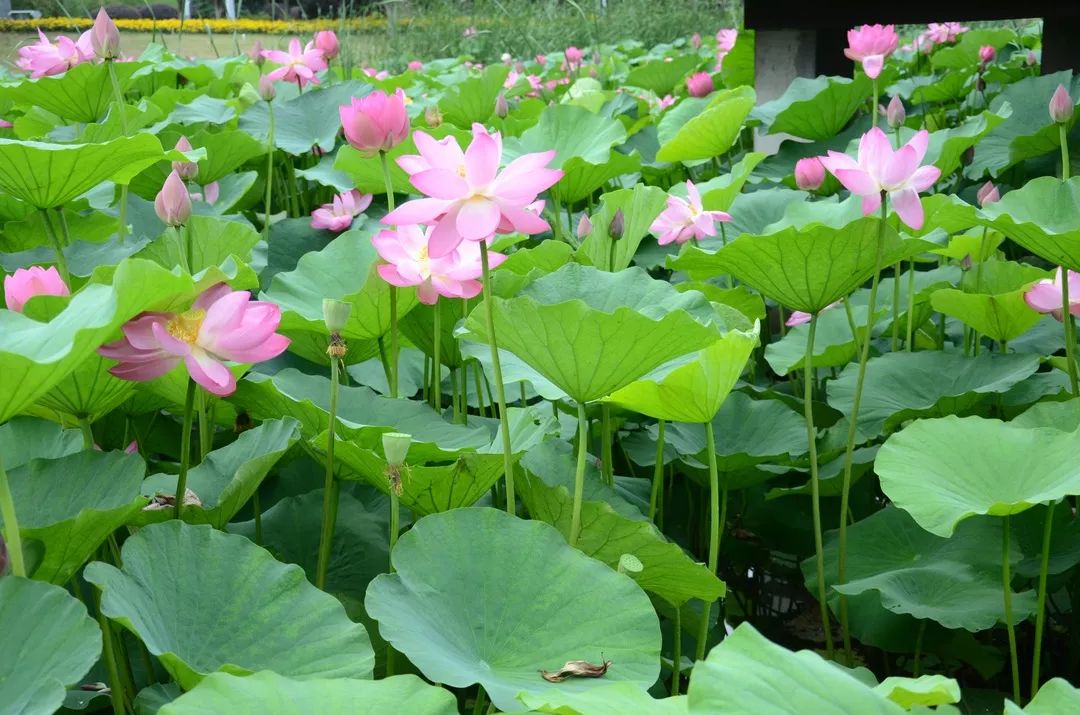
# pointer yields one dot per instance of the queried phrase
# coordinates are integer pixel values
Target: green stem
(556, 223)
(269, 173)
(185, 447)
(815, 487)
(11, 525)
(521, 387)
(389, 183)
(909, 334)
(481, 700)
(873, 105)
(1065, 168)
(395, 521)
(1070, 332)
(845, 492)
(896, 308)
(118, 95)
(579, 473)
(116, 684)
(676, 654)
(331, 487)
(436, 356)
(206, 430)
(478, 378)
(916, 668)
(61, 261)
(658, 472)
(1040, 613)
(715, 530)
(504, 419)
(256, 508)
(1006, 586)
(87, 433)
(851, 323)
(607, 470)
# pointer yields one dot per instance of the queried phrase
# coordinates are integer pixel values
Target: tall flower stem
(607, 470)
(845, 492)
(58, 249)
(269, 172)
(873, 104)
(331, 488)
(895, 345)
(658, 472)
(1065, 168)
(185, 447)
(1006, 588)
(389, 181)
(500, 388)
(715, 531)
(116, 683)
(1066, 316)
(676, 653)
(851, 323)
(579, 473)
(436, 356)
(909, 334)
(1040, 613)
(815, 487)
(11, 524)
(118, 95)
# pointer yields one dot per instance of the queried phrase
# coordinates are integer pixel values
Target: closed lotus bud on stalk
(256, 53)
(809, 173)
(267, 90)
(327, 41)
(105, 37)
(173, 202)
(987, 194)
(584, 227)
(335, 314)
(187, 170)
(895, 114)
(695, 40)
(502, 108)
(1061, 105)
(987, 53)
(1030, 60)
(396, 447)
(617, 225)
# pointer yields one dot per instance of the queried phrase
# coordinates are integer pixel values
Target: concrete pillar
(779, 57)
(5, 8)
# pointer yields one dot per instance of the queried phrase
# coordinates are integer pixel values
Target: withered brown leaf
(576, 669)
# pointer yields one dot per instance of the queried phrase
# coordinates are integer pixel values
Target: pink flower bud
(809, 173)
(695, 40)
(256, 53)
(1030, 60)
(502, 107)
(987, 53)
(187, 170)
(25, 283)
(376, 122)
(574, 55)
(895, 114)
(327, 41)
(173, 203)
(105, 37)
(541, 59)
(267, 90)
(584, 227)
(416, 65)
(1061, 105)
(987, 194)
(700, 84)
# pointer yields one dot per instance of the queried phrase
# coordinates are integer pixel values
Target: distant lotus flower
(666, 101)
(695, 40)
(726, 38)
(987, 194)
(173, 203)
(338, 215)
(5, 124)
(376, 122)
(541, 59)
(1045, 296)
(267, 89)
(574, 56)
(895, 114)
(409, 263)
(222, 325)
(187, 170)
(209, 193)
(470, 32)
(987, 53)
(700, 84)
(105, 37)
(879, 171)
(44, 59)
(469, 198)
(327, 41)
(416, 65)
(1061, 105)
(1030, 59)
(809, 173)
(584, 227)
(256, 53)
(798, 317)
(684, 219)
(299, 64)
(25, 283)
(945, 32)
(870, 45)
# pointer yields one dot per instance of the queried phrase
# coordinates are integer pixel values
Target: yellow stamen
(185, 326)
(461, 170)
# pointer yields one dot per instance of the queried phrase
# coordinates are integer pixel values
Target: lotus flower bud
(506, 58)
(256, 53)
(584, 227)
(433, 117)
(1061, 105)
(327, 41)
(105, 37)
(173, 202)
(895, 114)
(376, 122)
(987, 194)
(187, 170)
(809, 173)
(968, 156)
(416, 65)
(617, 225)
(335, 314)
(541, 59)
(574, 55)
(502, 108)
(396, 447)
(695, 40)
(987, 53)
(700, 84)
(1030, 60)
(267, 89)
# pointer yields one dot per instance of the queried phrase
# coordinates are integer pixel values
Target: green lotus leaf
(463, 610)
(965, 52)
(58, 643)
(942, 471)
(1054, 697)
(26, 438)
(640, 206)
(582, 178)
(228, 477)
(473, 99)
(205, 242)
(1043, 216)
(814, 109)
(571, 132)
(901, 386)
(926, 691)
(82, 94)
(268, 693)
(999, 317)
(592, 332)
(955, 581)
(226, 151)
(325, 174)
(747, 668)
(418, 325)
(718, 193)
(302, 122)
(204, 601)
(615, 699)
(661, 76)
(704, 128)
(935, 88)
(90, 391)
(834, 345)
(205, 109)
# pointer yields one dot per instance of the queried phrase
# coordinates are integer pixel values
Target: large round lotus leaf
(1001, 317)
(81, 94)
(661, 76)
(1043, 216)
(815, 109)
(955, 582)
(26, 438)
(1055, 697)
(616, 699)
(944, 470)
(591, 332)
(747, 673)
(90, 390)
(703, 128)
(481, 596)
(268, 693)
(51, 643)
(300, 123)
(202, 601)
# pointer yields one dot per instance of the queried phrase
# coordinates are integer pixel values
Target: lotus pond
(533, 387)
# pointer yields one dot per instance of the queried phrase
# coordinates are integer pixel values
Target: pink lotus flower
(298, 65)
(186, 169)
(173, 203)
(880, 171)
(1030, 59)
(469, 199)
(1061, 105)
(541, 59)
(5, 124)
(267, 88)
(376, 74)
(222, 325)
(256, 53)
(695, 40)
(455, 275)
(416, 65)
(25, 283)
(809, 173)
(987, 53)
(684, 219)
(44, 59)
(584, 227)
(942, 33)
(338, 215)
(798, 317)
(666, 101)
(725, 39)
(574, 56)
(105, 37)
(376, 122)
(870, 45)
(1045, 296)
(895, 114)
(700, 84)
(987, 194)
(209, 193)
(327, 41)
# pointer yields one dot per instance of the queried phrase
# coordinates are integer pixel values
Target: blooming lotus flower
(574, 56)
(666, 101)
(338, 215)
(187, 170)
(726, 38)
(799, 317)
(809, 173)
(25, 283)
(880, 170)
(870, 45)
(416, 65)
(105, 37)
(222, 325)
(376, 74)
(943, 33)
(327, 41)
(173, 203)
(469, 199)
(409, 263)
(987, 194)
(1061, 105)
(699, 84)
(684, 219)
(1045, 296)
(298, 65)
(376, 122)
(44, 59)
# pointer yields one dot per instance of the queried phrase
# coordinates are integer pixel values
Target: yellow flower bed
(263, 27)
